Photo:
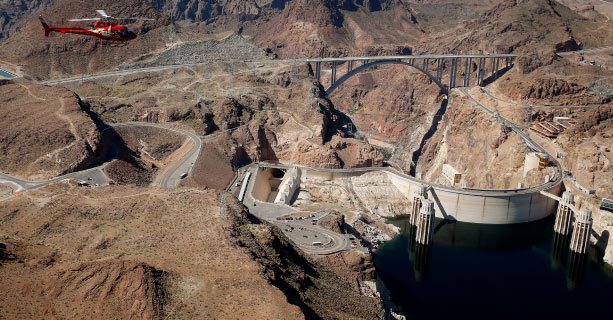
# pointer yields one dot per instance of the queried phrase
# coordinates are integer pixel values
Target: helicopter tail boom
(45, 26)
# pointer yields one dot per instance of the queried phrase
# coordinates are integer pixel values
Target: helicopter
(105, 27)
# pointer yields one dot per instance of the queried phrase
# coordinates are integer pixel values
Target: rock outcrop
(588, 145)
(132, 253)
(112, 288)
(317, 289)
(488, 155)
(13, 14)
(204, 10)
(45, 131)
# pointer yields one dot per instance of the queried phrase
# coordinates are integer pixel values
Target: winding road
(168, 178)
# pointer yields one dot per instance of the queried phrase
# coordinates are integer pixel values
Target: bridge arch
(376, 63)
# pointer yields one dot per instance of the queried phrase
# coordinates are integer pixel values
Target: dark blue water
(476, 271)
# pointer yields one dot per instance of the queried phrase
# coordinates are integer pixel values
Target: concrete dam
(466, 205)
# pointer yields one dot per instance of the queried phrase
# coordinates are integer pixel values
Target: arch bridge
(443, 70)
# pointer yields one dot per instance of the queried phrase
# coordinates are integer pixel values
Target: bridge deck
(426, 56)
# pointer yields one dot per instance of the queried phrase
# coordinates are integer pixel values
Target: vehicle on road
(183, 175)
(317, 243)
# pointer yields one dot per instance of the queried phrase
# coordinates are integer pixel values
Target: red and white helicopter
(105, 28)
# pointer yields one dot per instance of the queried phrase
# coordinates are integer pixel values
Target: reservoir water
(474, 271)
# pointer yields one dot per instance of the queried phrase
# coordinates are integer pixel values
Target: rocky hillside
(315, 28)
(251, 111)
(13, 14)
(319, 287)
(487, 155)
(395, 104)
(589, 147)
(203, 10)
(45, 131)
(148, 254)
(535, 27)
(63, 54)
(131, 253)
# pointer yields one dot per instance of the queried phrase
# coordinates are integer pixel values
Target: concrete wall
(476, 206)
(288, 186)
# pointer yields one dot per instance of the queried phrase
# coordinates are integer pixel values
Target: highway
(589, 50)
(116, 73)
(93, 176)
(168, 178)
(517, 129)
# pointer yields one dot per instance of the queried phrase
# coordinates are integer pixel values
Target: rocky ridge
(52, 133)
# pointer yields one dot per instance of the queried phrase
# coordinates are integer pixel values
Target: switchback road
(168, 178)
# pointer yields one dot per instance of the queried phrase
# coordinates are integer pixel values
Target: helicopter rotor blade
(134, 18)
(87, 19)
(103, 13)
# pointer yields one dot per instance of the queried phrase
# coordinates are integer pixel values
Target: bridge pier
(418, 198)
(564, 215)
(439, 69)
(467, 71)
(480, 70)
(580, 238)
(349, 65)
(318, 71)
(425, 64)
(495, 68)
(452, 74)
(333, 74)
(425, 222)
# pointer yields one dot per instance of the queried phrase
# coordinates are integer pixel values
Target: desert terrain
(132, 244)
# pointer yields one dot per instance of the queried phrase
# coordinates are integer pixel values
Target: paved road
(517, 129)
(169, 178)
(116, 73)
(304, 233)
(93, 176)
(590, 50)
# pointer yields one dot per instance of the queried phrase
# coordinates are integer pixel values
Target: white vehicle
(317, 243)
